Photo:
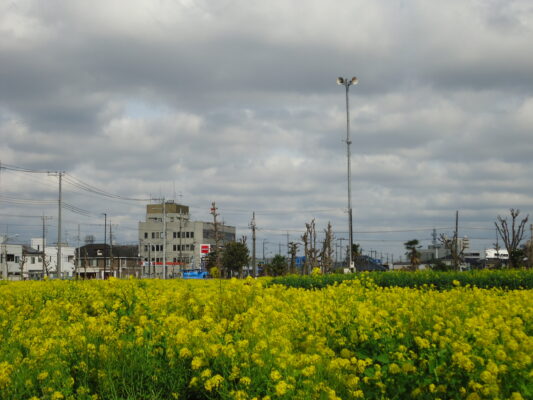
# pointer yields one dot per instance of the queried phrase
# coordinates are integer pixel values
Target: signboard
(205, 248)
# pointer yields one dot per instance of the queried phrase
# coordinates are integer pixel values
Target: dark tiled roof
(30, 250)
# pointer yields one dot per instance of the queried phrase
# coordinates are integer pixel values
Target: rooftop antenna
(174, 190)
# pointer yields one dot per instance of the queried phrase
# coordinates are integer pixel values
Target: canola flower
(243, 340)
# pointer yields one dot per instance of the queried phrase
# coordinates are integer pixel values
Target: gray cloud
(236, 102)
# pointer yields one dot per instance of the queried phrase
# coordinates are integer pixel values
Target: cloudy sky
(235, 101)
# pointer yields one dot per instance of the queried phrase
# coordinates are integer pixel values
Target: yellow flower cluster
(243, 340)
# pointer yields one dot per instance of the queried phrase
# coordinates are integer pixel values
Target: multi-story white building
(185, 239)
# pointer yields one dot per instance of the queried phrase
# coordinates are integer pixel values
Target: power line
(76, 182)
(18, 200)
(77, 210)
(21, 216)
(21, 169)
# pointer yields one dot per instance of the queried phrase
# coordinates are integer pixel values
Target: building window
(33, 260)
(192, 235)
(146, 235)
(192, 247)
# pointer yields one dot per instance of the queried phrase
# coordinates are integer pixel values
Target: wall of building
(183, 243)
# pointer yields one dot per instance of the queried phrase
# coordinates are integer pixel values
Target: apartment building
(186, 240)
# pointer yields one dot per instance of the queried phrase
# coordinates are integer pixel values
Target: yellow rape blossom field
(239, 339)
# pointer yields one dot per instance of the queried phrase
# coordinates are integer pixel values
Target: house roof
(28, 250)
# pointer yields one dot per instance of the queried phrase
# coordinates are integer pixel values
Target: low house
(100, 261)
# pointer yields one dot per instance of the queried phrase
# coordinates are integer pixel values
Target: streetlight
(347, 83)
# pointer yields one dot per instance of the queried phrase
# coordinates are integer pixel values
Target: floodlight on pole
(347, 83)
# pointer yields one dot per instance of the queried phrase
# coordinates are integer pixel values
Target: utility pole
(456, 248)
(254, 265)
(215, 223)
(215, 227)
(44, 246)
(77, 261)
(58, 267)
(5, 274)
(59, 272)
(110, 247)
(149, 259)
(530, 252)
(181, 234)
(105, 243)
(164, 239)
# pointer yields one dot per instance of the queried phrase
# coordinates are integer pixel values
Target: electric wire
(72, 180)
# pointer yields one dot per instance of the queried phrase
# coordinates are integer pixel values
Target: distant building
(35, 264)
(496, 254)
(20, 262)
(120, 261)
(186, 241)
(10, 259)
(433, 253)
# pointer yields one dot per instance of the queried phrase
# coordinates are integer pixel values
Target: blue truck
(194, 274)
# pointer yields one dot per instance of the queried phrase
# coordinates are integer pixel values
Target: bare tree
(293, 249)
(46, 264)
(313, 251)
(22, 261)
(305, 239)
(310, 250)
(456, 249)
(326, 255)
(512, 235)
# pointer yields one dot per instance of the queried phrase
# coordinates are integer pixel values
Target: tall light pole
(347, 83)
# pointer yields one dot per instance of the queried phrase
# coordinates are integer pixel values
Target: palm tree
(414, 256)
